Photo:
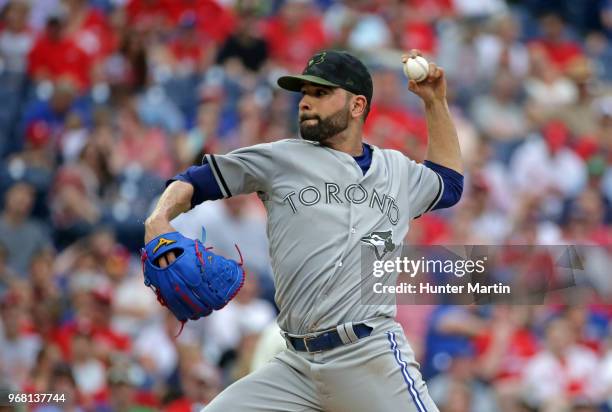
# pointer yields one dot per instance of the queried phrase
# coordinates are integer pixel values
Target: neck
(348, 141)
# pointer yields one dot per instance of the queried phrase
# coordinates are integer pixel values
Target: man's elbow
(452, 194)
(452, 184)
(203, 184)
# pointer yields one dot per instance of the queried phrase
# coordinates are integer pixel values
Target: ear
(358, 105)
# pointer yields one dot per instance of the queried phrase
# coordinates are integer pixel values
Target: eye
(321, 92)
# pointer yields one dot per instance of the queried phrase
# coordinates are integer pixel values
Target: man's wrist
(435, 102)
(156, 225)
(155, 220)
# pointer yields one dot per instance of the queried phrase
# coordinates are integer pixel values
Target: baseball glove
(197, 282)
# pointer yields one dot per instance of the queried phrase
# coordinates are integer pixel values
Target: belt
(329, 339)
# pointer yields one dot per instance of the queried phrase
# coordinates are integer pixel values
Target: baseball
(416, 68)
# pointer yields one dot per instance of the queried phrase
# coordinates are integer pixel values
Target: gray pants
(377, 373)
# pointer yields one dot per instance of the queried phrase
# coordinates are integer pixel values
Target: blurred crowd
(104, 100)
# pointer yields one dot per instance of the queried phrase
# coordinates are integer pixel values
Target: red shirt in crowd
(59, 58)
(190, 53)
(431, 8)
(179, 405)
(293, 46)
(93, 35)
(523, 346)
(430, 229)
(100, 334)
(392, 127)
(559, 53)
(147, 13)
(420, 35)
(212, 20)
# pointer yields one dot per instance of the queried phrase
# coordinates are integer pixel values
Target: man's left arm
(443, 151)
(443, 148)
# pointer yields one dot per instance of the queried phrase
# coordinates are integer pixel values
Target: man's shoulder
(277, 147)
(391, 154)
(292, 142)
(388, 152)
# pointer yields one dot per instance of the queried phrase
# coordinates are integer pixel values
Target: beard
(324, 128)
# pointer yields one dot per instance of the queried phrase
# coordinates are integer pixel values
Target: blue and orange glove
(197, 282)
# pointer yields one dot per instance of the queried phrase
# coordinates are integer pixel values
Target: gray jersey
(321, 211)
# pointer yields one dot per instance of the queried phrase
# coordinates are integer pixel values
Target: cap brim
(295, 83)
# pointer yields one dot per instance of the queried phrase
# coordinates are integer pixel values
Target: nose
(304, 104)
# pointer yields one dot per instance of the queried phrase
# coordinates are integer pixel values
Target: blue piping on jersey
(407, 378)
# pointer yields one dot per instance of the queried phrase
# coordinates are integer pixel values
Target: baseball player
(330, 197)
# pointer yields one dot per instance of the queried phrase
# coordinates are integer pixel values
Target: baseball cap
(333, 68)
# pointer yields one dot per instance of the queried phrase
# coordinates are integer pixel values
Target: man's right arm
(175, 200)
(243, 171)
(184, 191)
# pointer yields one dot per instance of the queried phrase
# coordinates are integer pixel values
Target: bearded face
(318, 129)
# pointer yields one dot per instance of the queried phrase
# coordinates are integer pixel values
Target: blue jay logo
(382, 242)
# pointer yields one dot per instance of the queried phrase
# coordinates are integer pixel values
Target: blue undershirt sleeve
(203, 181)
(453, 185)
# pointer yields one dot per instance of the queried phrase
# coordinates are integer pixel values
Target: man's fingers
(432, 72)
(415, 53)
(437, 72)
(412, 85)
(170, 257)
(404, 58)
(166, 259)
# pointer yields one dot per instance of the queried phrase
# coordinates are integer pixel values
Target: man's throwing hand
(433, 87)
